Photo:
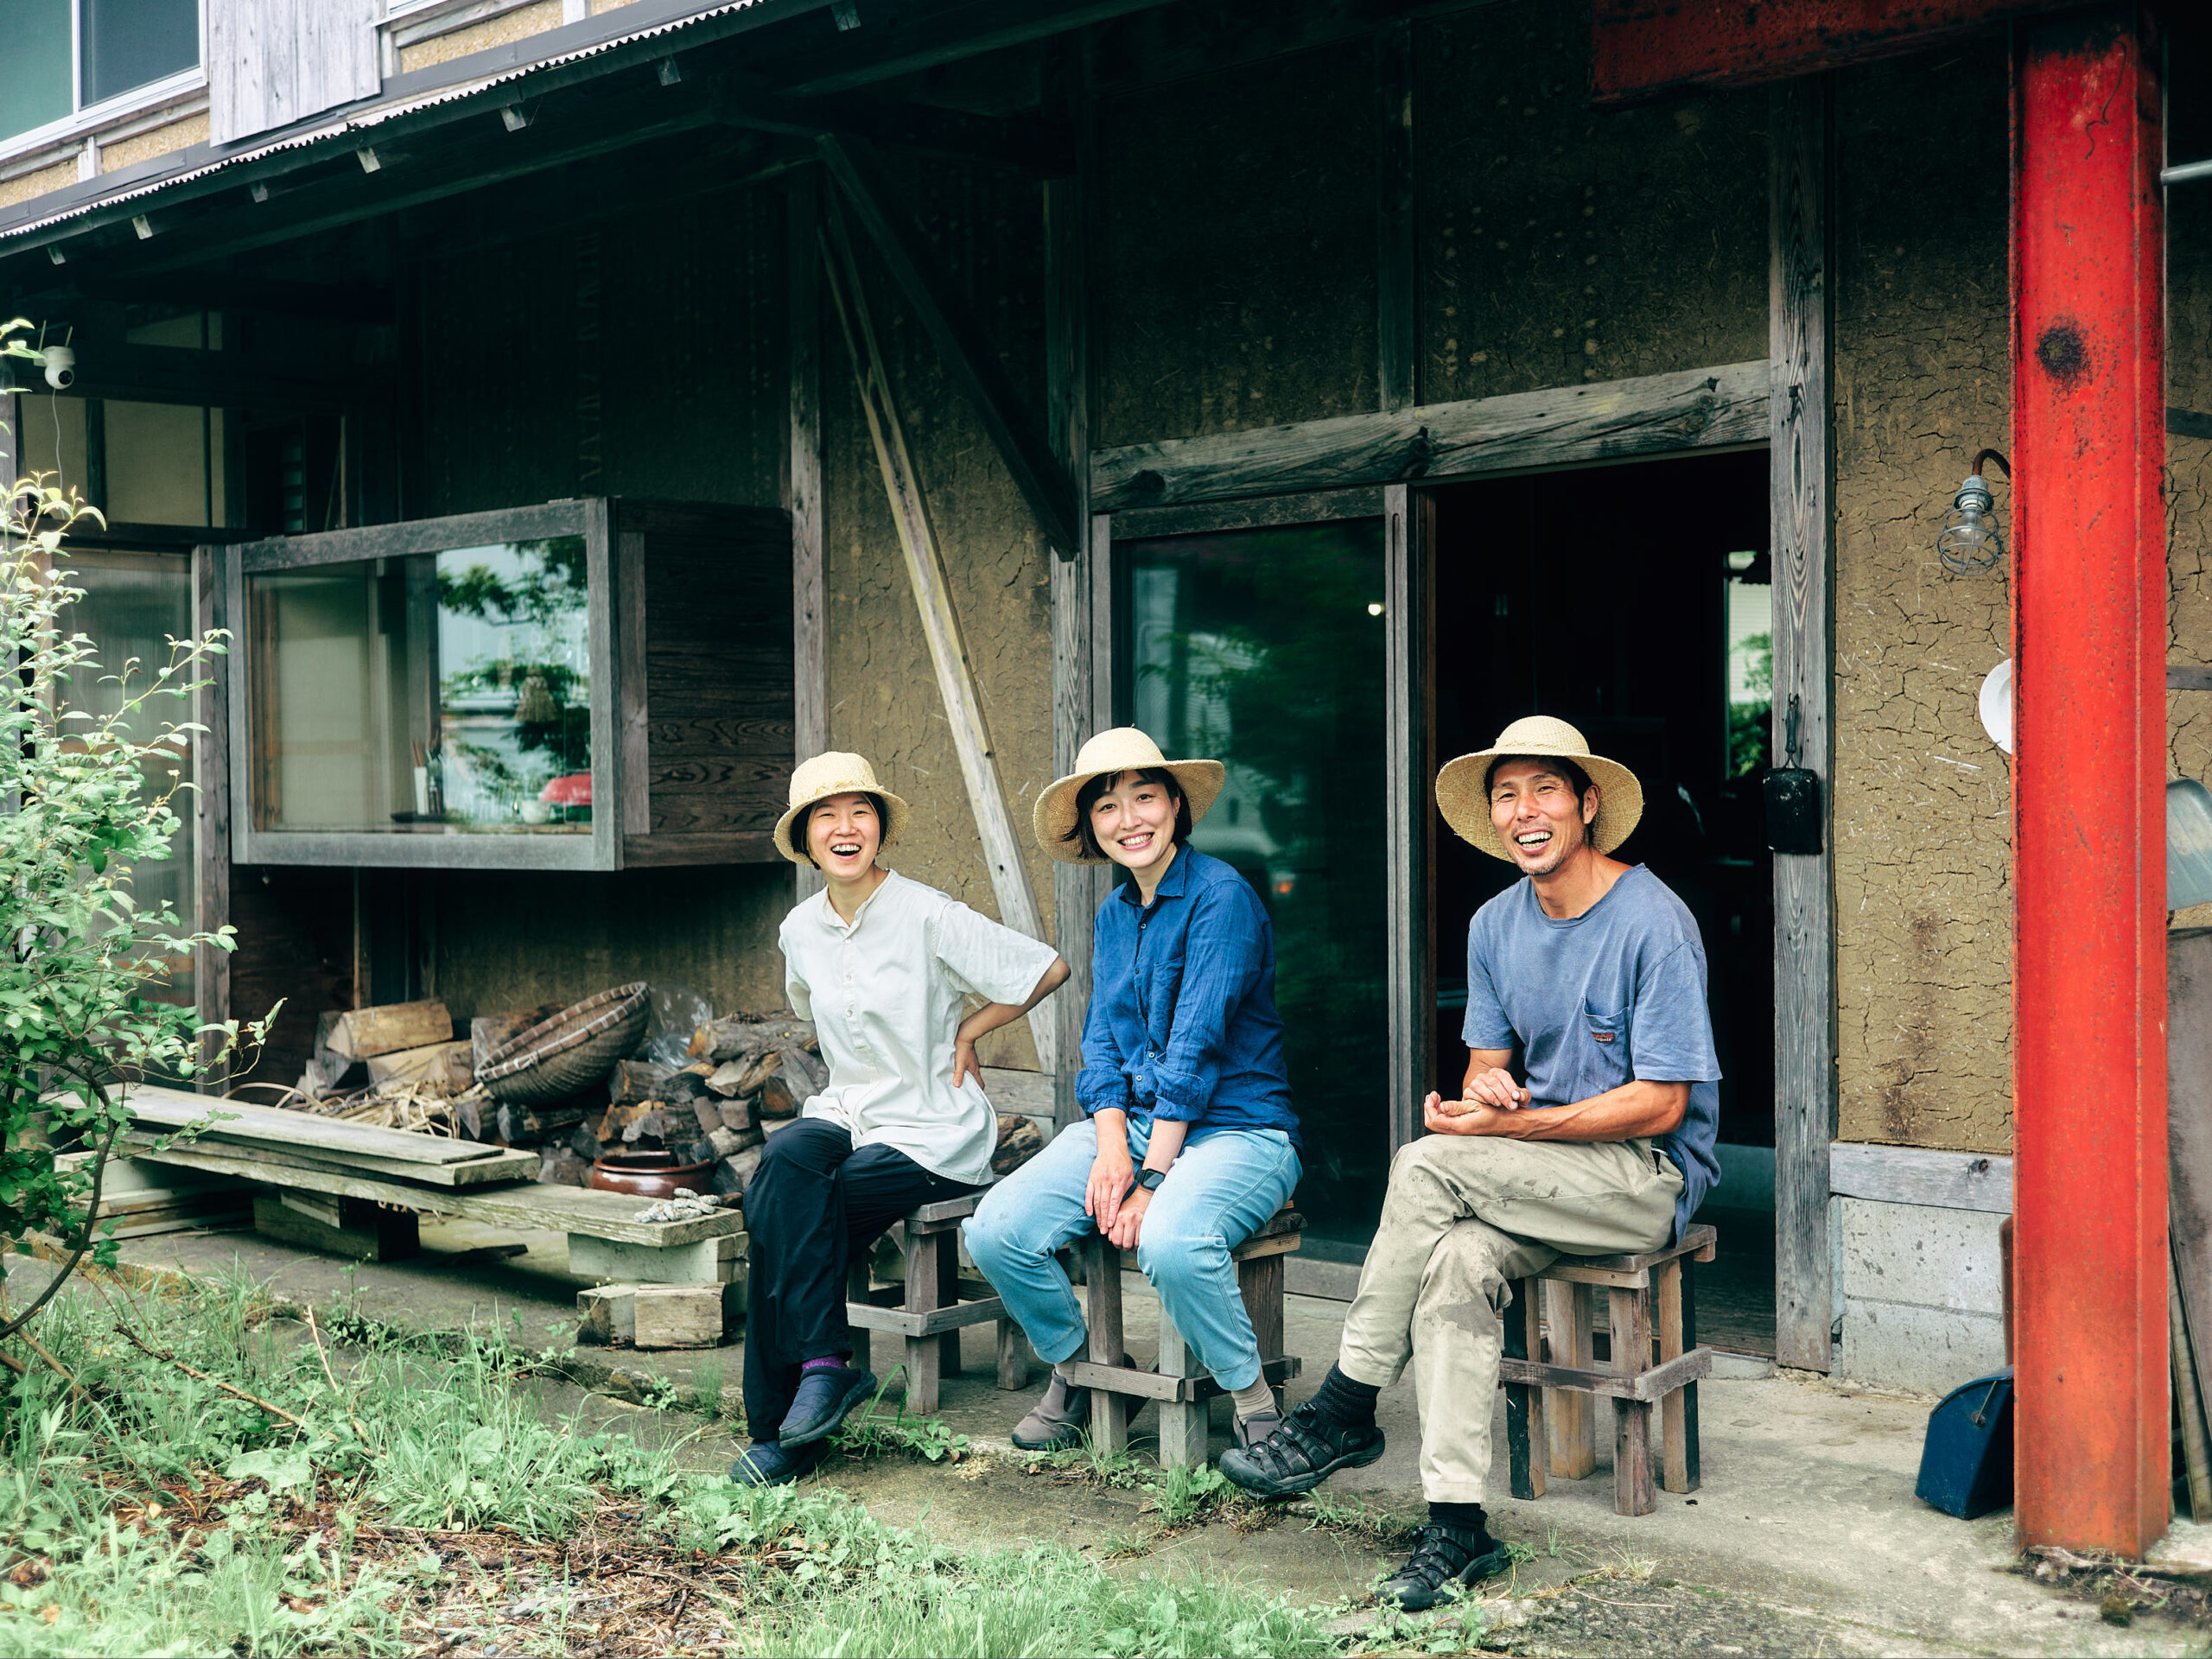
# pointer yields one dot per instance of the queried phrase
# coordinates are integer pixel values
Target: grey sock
(1251, 1402)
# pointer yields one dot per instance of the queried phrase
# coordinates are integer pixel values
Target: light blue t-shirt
(1614, 994)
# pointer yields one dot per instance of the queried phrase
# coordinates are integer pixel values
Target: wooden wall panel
(272, 62)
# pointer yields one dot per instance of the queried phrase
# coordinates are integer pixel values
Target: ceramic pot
(649, 1175)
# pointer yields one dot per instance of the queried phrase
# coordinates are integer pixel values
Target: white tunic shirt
(884, 993)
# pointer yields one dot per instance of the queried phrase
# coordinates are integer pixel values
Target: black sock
(1468, 1518)
(1343, 1402)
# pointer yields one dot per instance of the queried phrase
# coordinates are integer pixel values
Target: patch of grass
(870, 1431)
(1183, 1495)
(1381, 1527)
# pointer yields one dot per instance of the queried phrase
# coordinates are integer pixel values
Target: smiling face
(1538, 815)
(843, 833)
(1133, 820)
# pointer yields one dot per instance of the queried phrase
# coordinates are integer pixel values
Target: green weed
(1184, 1494)
(869, 1433)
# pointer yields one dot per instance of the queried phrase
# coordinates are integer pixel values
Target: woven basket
(569, 1052)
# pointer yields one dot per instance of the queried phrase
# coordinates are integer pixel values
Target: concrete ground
(1806, 1537)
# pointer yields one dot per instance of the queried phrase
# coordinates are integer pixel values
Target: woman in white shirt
(881, 965)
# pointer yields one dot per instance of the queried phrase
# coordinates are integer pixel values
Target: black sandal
(1301, 1454)
(1445, 1559)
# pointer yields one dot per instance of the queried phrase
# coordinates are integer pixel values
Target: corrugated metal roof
(400, 98)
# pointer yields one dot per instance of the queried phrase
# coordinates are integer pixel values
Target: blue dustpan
(1965, 1467)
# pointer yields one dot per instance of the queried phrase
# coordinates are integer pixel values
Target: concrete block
(608, 1313)
(709, 1262)
(1896, 1346)
(1916, 1253)
(679, 1316)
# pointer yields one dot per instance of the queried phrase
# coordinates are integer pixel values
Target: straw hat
(835, 773)
(1463, 787)
(1122, 749)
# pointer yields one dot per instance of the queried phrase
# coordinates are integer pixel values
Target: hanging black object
(1793, 799)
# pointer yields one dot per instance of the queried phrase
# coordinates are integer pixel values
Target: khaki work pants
(1465, 1216)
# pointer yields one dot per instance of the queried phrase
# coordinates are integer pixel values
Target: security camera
(61, 367)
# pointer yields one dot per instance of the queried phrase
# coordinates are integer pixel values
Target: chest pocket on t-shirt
(1602, 1049)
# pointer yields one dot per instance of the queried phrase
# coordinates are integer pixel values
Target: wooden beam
(1921, 1175)
(1025, 143)
(1077, 889)
(1397, 265)
(1408, 518)
(897, 43)
(802, 481)
(970, 360)
(211, 776)
(106, 368)
(1614, 420)
(1800, 450)
(1640, 50)
(925, 571)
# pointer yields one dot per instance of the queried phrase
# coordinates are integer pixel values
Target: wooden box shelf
(584, 685)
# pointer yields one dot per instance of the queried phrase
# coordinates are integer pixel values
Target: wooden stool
(1547, 1405)
(931, 1313)
(1178, 1383)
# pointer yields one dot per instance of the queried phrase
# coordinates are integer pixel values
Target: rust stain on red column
(2089, 634)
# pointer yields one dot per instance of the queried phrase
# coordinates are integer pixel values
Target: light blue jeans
(1224, 1186)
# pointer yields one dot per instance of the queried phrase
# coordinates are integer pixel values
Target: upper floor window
(62, 57)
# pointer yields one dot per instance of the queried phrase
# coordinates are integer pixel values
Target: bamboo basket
(569, 1052)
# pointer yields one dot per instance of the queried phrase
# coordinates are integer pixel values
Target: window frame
(87, 119)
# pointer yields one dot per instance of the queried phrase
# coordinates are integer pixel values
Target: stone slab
(1922, 1255)
(1928, 1349)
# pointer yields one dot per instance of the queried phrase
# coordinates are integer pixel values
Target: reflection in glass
(134, 605)
(1265, 649)
(435, 693)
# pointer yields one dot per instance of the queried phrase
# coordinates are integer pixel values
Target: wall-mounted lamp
(1971, 540)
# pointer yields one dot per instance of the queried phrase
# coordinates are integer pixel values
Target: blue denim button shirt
(1182, 1024)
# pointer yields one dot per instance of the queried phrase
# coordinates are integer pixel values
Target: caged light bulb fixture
(1971, 540)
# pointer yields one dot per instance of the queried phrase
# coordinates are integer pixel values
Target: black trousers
(814, 1205)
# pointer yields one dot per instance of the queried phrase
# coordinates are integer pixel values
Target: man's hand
(1495, 1087)
(1130, 1223)
(1443, 1116)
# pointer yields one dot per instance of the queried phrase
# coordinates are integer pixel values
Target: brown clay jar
(648, 1174)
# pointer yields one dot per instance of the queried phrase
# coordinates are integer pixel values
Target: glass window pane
(442, 693)
(157, 463)
(134, 604)
(34, 45)
(130, 42)
(1264, 649)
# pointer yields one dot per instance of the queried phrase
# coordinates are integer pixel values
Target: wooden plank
(1030, 1093)
(926, 573)
(969, 358)
(527, 1207)
(1631, 1323)
(1647, 1386)
(1656, 413)
(1943, 1180)
(608, 644)
(501, 1167)
(1122, 1383)
(1574, 1424)
(1699, 1239)
(414, 535)
(1397, 262)
(1102, 1290)
(802, 481)
(2188, 676)
(1800, 455)
(915, 1324)
(446, 1064)
(237, 1120)
(1409, 762)
(211, 761)
(2188, 1402)
(1079, 687)
(2188, 1126)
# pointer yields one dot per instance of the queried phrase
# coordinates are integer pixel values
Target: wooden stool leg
(1526, 1442)
(923, 1353)
(1678, 1411)
(1259, 1282)
(1568, 1310)
(1013, 1356)
(858, 1284)
(1183, 1428)
(947, 1245)
(1631, 1324)
(1101, 1272)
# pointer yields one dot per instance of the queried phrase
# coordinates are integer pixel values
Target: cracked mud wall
(1923, 798)
(986, 233)
(2189, 395)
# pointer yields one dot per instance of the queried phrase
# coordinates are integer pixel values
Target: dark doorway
(1631, 601)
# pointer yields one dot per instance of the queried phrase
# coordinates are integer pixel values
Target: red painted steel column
(2089, 638)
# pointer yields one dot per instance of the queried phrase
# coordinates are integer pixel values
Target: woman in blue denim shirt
(1188, 1143)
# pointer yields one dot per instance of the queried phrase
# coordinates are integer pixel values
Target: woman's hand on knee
(1127, 1226)
(1110, 1173)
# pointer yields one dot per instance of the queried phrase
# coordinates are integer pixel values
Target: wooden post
(925, 1355)
(1631, 1322)
(1396, 251)
(802, 481)
(1678, 1412)
(1183, 1425)
(1410, 766)
(925, 571)
(1528, 1447)
(211, 771)
(2090, 646)
(1102, 1292)
(1800, 454)
(1568, 1310)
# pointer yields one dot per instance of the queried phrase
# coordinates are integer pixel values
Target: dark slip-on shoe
(825, 1398)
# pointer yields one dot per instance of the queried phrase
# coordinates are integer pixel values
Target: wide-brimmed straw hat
(1124, 748)
(835, 773)
(1463, 787)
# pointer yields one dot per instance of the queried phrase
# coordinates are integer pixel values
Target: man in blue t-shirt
(1602, 1145)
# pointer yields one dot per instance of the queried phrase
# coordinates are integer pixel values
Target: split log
(727, 1143)
(619, 1118)
(667, 1125)
(737, 1115)
(333, 1073)
(444, 1066)
(362, 1033)
(726, 1077)
(585, 1142)
(524, 1126)
(800, 1062)
(561, 1167)
(691, 1152)
(1020, 1139)
(762, 1068)
(722, 1041)
(708, 1114)
(683, 1088)
(779, 1097)
(488, 1031)
(636, 1081)
(733, 1175)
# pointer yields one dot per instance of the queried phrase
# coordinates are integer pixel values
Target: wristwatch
(1147, 1178)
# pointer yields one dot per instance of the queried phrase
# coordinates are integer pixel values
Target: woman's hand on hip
(964, 1064)
(1109, 1178)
